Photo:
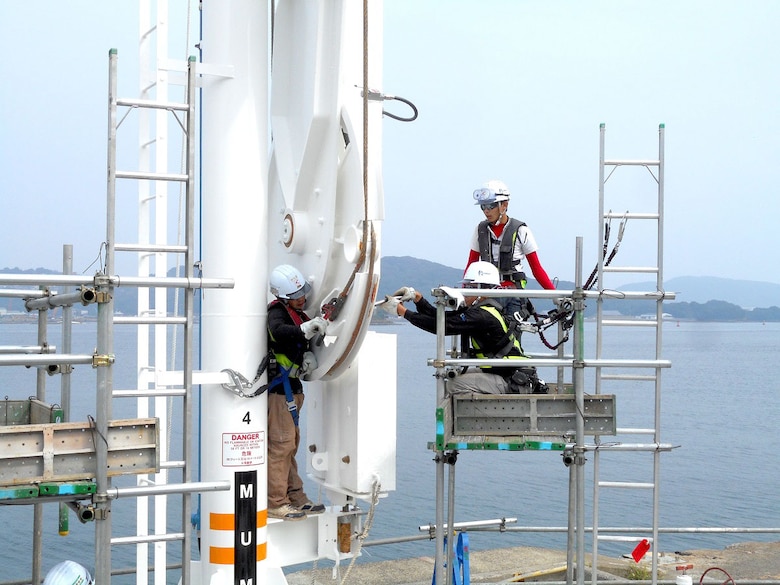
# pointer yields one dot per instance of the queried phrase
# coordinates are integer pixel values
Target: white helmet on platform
(68, 573)
(482, 273)
(493, 191)
(287, 282)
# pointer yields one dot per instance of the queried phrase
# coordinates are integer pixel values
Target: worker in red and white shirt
(506, 243)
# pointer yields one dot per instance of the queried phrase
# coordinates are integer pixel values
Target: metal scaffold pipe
(84, 295)
(27, 349)
(44, 360)
(115, 280)
(16, 293)
(578, 469)
(171, 488)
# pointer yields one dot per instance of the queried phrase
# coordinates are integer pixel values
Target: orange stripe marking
(222, 521)
(226, 556)
(228, 521)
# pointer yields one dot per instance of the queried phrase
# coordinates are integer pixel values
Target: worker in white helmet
(290, 331)
(506, 243)
(68, 573)
(480, 320)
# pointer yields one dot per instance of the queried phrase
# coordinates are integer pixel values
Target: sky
(506, 89)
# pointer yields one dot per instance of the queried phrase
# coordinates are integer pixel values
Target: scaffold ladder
(159, 326)
(627, 384)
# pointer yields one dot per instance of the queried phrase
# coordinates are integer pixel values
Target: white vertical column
(161, 344)
(234, 161)
(145, 375)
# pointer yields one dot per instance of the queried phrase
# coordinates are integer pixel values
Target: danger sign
(243, 449)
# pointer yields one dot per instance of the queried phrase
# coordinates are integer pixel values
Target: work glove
(308, 363)
(405, 293)
(391, 304)
(316, 326)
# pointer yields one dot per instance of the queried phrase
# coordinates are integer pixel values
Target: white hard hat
(288, 283)
(482, 273)
(68, 573)
(493, 191)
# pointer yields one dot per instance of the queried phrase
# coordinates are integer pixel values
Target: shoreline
(741, 561)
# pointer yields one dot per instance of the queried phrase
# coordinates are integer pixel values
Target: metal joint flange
(102, 297)
(100, 513)
(103, 360)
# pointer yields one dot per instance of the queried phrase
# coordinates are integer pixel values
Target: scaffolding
(570, 421)
(644, 374)
(566, 419)
(55, 460)
(162, 388)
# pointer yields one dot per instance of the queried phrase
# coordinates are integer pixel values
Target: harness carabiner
(238, 383)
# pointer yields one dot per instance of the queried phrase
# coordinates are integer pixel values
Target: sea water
(719, 409)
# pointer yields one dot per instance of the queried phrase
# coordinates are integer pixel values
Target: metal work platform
(37, 457)
(29, 412)
(520, 421)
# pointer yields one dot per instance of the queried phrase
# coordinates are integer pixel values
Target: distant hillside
(425, 275)
(398, 271)
(698, 298)
(700, 289)
(702, 297)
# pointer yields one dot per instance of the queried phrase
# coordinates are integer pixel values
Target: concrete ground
(748, 561)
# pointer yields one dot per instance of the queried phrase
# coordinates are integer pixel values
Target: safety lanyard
(284, 377)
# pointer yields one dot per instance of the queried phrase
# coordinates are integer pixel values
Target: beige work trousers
(479, 382)
(284, 484)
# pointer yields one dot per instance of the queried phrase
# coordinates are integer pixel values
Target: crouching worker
(290, 331)
(481, 322)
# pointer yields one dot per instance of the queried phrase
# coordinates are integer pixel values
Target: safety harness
(286, 370)
(506, 264)
(504, 347)
(282, 376)
(507, 342)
